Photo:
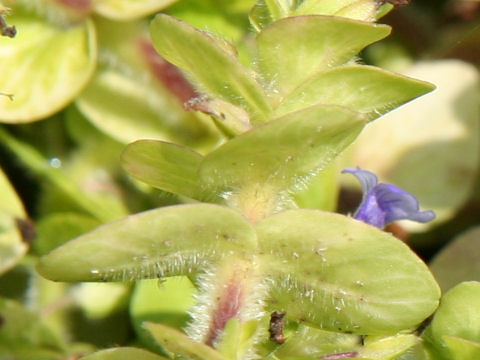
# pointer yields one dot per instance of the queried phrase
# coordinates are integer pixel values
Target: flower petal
(384, 203)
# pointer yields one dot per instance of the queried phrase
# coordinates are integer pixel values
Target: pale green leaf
(386, 348)
(164, 165)
(123, 353)
(178, 343)
(12, 246)
(209, 62)
(168, 241)
(364, 89)
(461, 349)
(292, 50)
(44, 67)
(283, 152)
(129, 9)
(237, 338)
(340, 274)
(457, 317)
(458, 261)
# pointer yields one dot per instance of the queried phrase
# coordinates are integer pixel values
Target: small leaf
(205, 59)
(165, 301)
(123, 353)
(344, 275)
(386, 348)
(44, 67)
(168, 241)
(164, 165)
(365, 89)
(458, 316)
(283, 152)
(178, 343)
(129, 9)
(237, 338)
(292, 50)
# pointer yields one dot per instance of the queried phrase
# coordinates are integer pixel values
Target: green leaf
(386, 348)
(163, 242)
(22, 330)
(237, 338)
(355, 9)
(44, 67)
(130, 97)
(365, 89)
(340, 274)
(457, 319)
(283, 152)
(458, 261)
(129, 9)
(178, 343)
(12, 216)
(164, 165)
(123, 353)
(165, 301)
(292, 50)
(56, 229)
(461, 349)
(308, 342)
(210, 63)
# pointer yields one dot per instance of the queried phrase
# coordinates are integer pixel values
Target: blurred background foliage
(86, 81)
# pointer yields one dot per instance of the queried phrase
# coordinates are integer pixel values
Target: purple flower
(384, 203)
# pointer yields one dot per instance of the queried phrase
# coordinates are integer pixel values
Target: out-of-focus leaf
(12, 218)
(282, 153)
(455, 328)
(430, 147)
(364, 89)
(42, 167)
(101, 300)
(461, 349)
(129, 9)
(308, 45)
(44, 67)
(135, 94)
(164, 165)
(197, 53)
(344, 275)
(123, 353)
(165, 301)
(458, 261)
(169, 241)
(178, 343)
(22, 331)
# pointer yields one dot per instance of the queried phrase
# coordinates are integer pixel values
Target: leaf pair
(326, 269)
(280, 154)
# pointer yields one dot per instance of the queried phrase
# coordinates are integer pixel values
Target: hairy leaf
(164, 165)
(365, 89)
(211, 63)
(168, 241)
(292, 50)
(283, 152)
(343, 275)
